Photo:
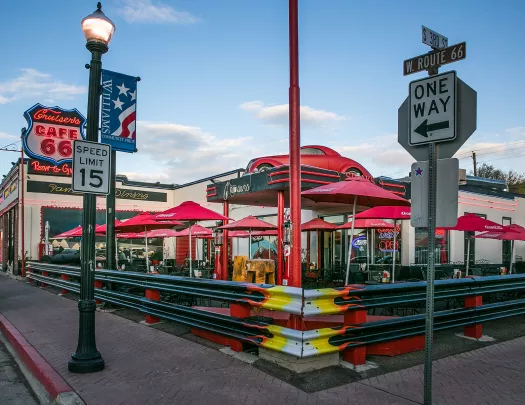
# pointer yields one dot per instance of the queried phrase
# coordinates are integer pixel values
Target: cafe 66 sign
(51, 132)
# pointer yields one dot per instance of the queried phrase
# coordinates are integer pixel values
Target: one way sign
(432, 102)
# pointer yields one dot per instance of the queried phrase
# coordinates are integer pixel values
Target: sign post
(438, 116)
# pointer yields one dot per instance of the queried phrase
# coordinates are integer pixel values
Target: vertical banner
(119, 109)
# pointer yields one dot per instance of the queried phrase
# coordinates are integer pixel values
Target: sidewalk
(148, 366)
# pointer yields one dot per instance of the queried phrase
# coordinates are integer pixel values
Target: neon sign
(51, 131)
(42, 168)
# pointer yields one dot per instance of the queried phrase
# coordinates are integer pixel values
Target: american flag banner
(119, 111)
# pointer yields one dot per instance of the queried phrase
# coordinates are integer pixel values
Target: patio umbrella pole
(351, 240)
(468, 257)
(147, 256)
(250, 244)
(368, 250)
(511, 257)
(394, 253)
(190, 252)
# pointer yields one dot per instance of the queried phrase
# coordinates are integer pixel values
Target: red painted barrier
(153, 295)
(64, 277)
(474, 331)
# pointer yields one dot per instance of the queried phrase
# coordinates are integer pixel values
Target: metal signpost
(91, 167)
(437, 117)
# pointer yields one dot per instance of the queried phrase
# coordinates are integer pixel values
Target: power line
(492, 147)
(505, 157)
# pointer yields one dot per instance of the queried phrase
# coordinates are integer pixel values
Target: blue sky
(214, 87)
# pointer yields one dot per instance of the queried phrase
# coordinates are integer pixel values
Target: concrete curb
(58, 390)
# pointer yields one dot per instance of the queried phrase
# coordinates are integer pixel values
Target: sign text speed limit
(91, 167)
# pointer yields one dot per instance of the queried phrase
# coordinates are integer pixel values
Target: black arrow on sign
(424, 127)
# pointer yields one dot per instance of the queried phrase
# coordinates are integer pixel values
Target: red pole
(225, 241)
(295, 145)
(319, 234)
(308, 249)
(280, 222)
(23, 269)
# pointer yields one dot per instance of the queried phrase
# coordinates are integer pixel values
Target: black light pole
(111, 254)
(98, 30)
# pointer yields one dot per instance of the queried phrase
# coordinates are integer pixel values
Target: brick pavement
(148, 366)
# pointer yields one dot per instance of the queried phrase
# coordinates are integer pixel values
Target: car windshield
(312, 151)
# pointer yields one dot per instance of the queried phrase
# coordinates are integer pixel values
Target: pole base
(85, 366)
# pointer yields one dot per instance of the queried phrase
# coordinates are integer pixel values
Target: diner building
(51, 207)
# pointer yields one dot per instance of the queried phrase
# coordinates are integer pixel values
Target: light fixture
(97, 27)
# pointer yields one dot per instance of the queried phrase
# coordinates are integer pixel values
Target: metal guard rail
(294, 342)
(339, 300)
(267, 296)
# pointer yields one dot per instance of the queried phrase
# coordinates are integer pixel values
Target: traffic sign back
(432, 116)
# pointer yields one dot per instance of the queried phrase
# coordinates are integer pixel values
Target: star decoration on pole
(419, 171)
(122, 89)
(118, 103)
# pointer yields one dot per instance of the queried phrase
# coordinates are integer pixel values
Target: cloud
(31, 83)
(381, 155)
(4, 136)
(145, 11)
(278, 114)
(185, 153)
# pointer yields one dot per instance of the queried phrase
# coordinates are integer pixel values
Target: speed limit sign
(91, 167)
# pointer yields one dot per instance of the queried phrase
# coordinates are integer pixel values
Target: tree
(512, 178)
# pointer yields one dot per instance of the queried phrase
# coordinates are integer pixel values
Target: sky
(215, 77)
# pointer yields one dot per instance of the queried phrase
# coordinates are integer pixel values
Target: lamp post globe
(97, 27)
(98, 30)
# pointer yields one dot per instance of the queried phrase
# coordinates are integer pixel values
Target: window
(383, 245)
(470, 241)
(506, 245)
(312, 151)
(442, 250)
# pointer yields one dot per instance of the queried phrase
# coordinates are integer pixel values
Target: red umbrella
(160, 233)
(474, 223)
(67, 234)
(189, 211)
(238, 234)
(102, 228)
(356, 190)
(130, 235)
(249, 223)
(388, 212)
(77, 232)
(385, 212)
(195, 231)
(145, 222)
(270, 232)
(367, 224)
(317, 224)
(512, 232)
(192, 212)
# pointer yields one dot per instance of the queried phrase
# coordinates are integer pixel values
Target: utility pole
(475, 164)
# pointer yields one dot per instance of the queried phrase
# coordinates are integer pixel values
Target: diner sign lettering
(48, 169)
(51, 132)
(121, 193)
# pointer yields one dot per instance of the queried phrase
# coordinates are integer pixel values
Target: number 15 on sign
(91, 167)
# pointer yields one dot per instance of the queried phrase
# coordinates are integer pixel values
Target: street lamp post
(98, 30)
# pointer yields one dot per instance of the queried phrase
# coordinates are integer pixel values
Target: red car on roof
(311, 155)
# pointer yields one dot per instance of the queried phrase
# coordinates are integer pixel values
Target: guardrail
(339, 300)
(354, 334)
